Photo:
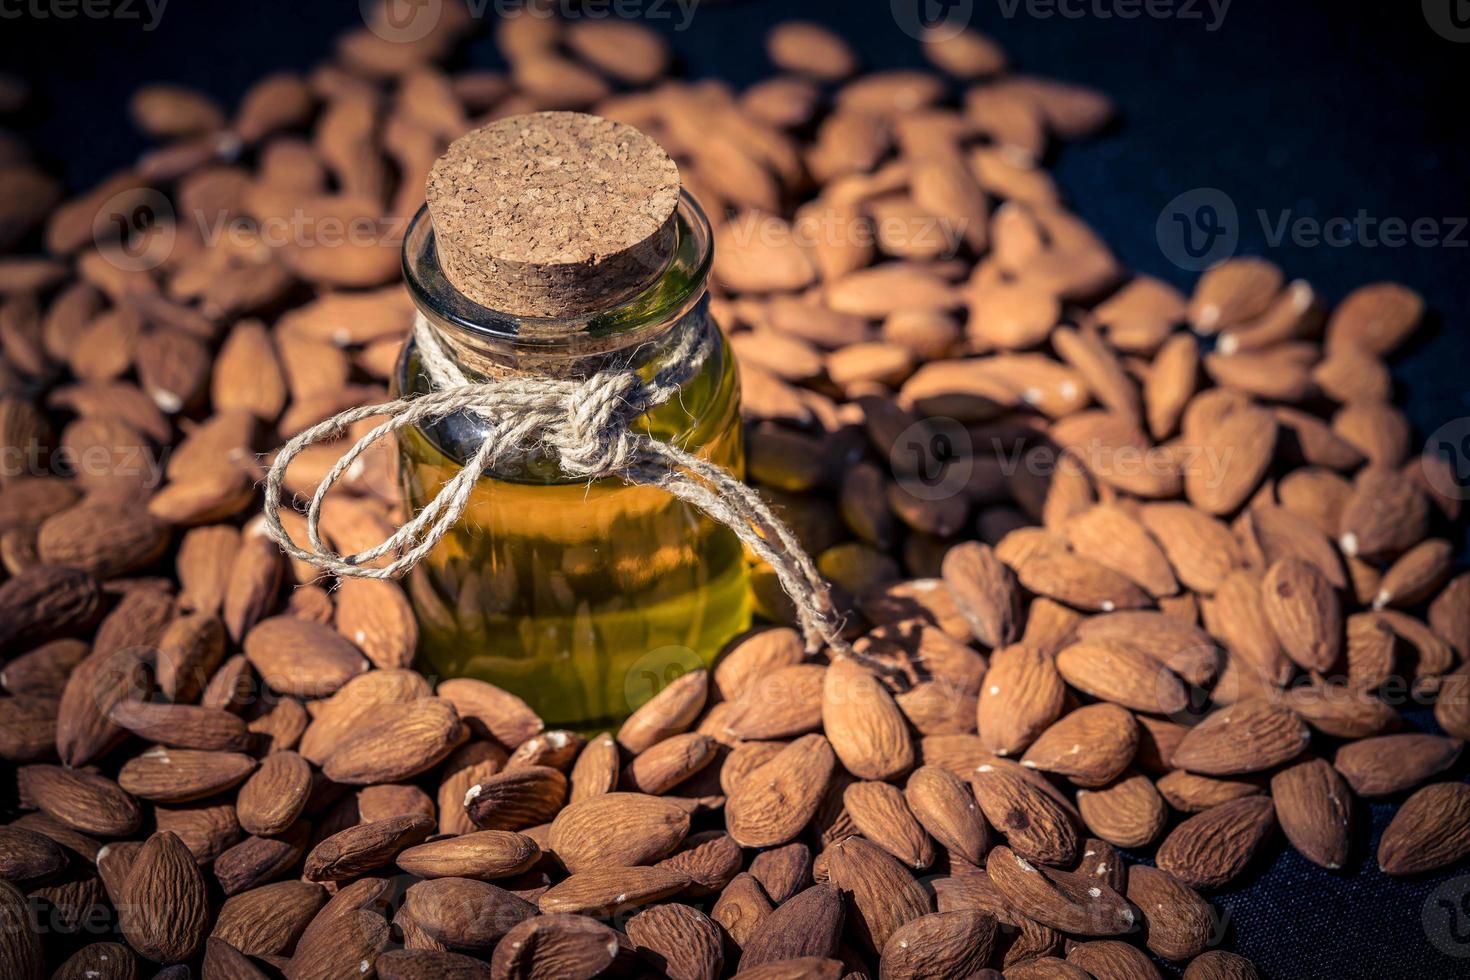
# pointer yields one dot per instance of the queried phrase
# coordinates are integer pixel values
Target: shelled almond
(1140, 592)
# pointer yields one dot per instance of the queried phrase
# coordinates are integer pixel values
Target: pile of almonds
(1136, 595)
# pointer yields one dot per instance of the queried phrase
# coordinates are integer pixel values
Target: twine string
(587, 424)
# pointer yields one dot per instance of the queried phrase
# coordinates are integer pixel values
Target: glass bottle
(558, 590)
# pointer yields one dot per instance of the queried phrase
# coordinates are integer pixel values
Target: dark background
(1314, 108)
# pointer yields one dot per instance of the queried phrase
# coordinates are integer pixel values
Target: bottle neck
(635, 332)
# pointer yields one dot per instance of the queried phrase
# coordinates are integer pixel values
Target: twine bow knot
(588, 424)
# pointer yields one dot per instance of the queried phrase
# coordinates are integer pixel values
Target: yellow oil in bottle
(570, 593)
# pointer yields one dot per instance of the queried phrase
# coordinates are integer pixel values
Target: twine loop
(588, 425)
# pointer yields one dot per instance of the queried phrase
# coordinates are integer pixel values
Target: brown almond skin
(880, 812)
(25, 854)
(1178, 923)
(620, 829)
(180, 775)
(395, 742)
(679, 940)
(1128, 812)
(1390, 764)
(516, 799)
(711, 859)
(741, 908)
(1021, 695)
(275, 794)
(884, 896)
(465, 914)
(96, 961)
(669, 712)
(945, 806)
(81, 800)
(485, 855)
(1431, 830)
(863, 725)
(1314, 807)
(808, 924)
(1305, 613)
(783, 871)
(20, 946)
(1245, 737)
(170, 918)
(409, 964)
(1212, 847)
(1064, 900)
(607, 890)
(1090, 746)
(555, 946)
(943, 944)
(772, 804)
(1218, 964)
(1111, 958)
(356, 850)
(985, 591)
(298, 657)
(1037, 827)
(267, 921)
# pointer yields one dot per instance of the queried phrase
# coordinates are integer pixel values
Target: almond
(1390, 764)
(1211, 848)
(1304, 612)
(1179, 924)
(622, 829)
(1314, 806)
(1035, 824)
(1429, 831)
(82, 800)
(783, 871)
(516, 799)
(168, 918)
(985, 591)
(866, 729)
(274, 795)
(957, 944)
(808, 924)
(295, 656)
(608, 890)
(1122, 674)
(946, 808)
(669, 712)
(881, 814)
(465, 914)
(884, 896)
(1090, 746)
(267, 921)
(557, 945)
(682, 940)
(395, 742)
(774, 802)
(179, 775)
(1127, 812)
(1245, 737)
(1060, 899)
(1022, 694)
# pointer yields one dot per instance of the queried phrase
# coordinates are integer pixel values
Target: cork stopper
(553, 214)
